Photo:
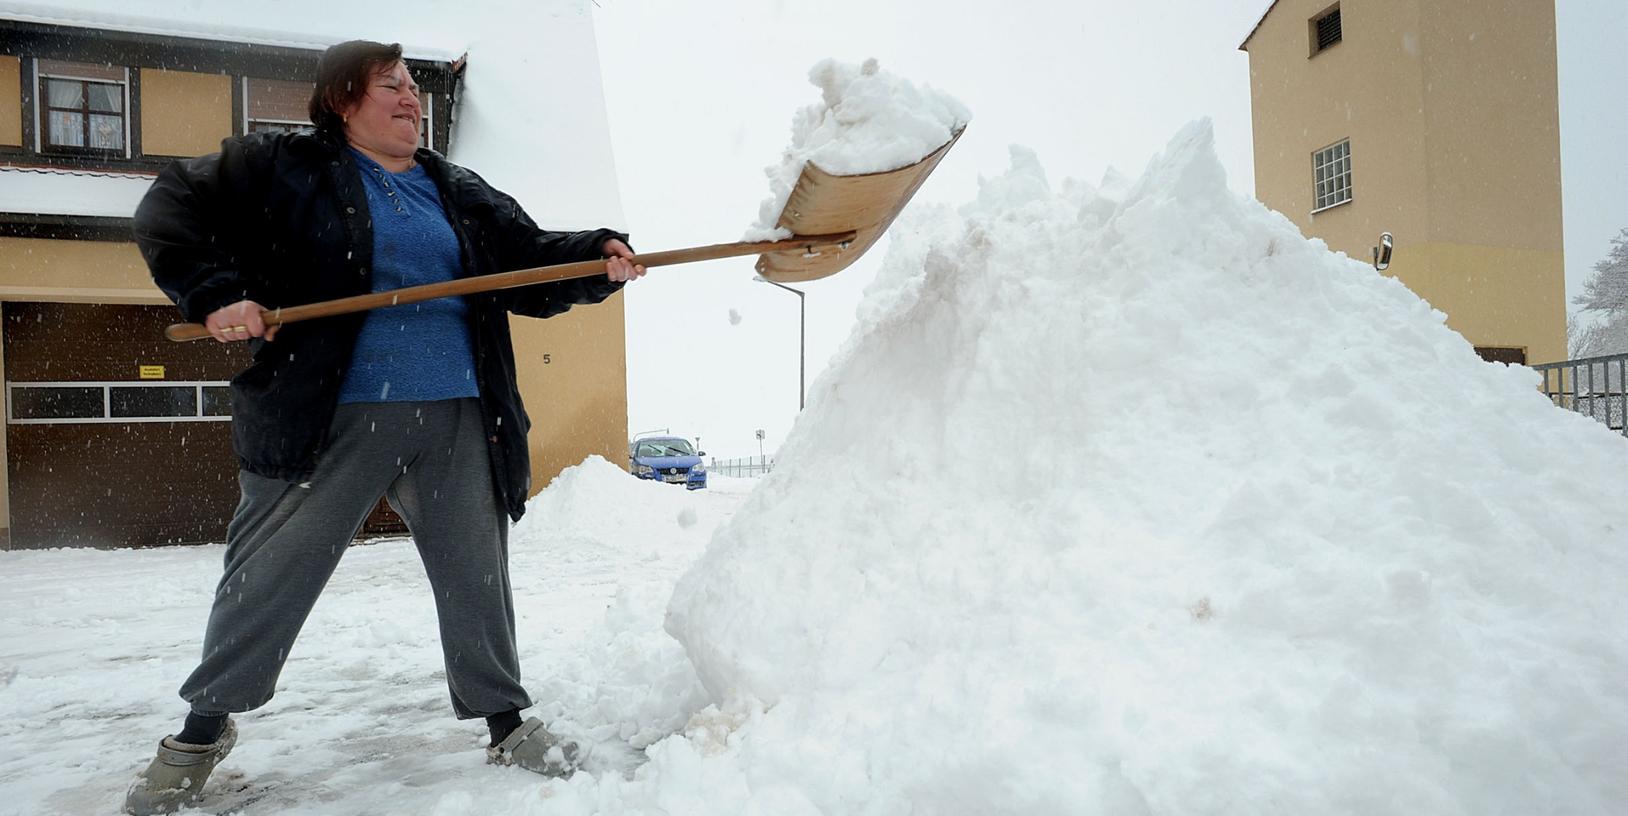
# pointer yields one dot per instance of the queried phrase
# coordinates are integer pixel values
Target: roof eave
(170, 28)
(1244, 46)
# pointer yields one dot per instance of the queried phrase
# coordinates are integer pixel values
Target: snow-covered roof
(104, 21)
(1243, 46)
(554, 158)
(51, 191)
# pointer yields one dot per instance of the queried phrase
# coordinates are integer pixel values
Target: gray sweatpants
(429, 459)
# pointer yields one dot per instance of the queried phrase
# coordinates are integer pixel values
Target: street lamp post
(802, 336)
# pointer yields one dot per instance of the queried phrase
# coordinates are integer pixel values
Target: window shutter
(278, 100)
(1328, 29)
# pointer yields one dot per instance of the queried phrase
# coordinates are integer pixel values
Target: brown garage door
(99, 456)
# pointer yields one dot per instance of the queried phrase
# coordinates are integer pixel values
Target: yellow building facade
(1436, 122)
(87, 118)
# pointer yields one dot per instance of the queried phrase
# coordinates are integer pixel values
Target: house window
(41, 403)
(61, 402)
(82, 108)
(426, 103)
(1325, 30)
(275, 105)
(1331, 172)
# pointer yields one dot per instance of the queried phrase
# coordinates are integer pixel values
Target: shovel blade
(823, 203)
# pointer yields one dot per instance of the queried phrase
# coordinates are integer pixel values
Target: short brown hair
(343, 77)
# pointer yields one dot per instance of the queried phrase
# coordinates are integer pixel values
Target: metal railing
(1596, 386)
(748, 467)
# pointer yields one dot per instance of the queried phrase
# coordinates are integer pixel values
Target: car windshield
(665, 447)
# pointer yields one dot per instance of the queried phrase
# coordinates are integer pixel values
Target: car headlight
(640, 470)
(698, 468)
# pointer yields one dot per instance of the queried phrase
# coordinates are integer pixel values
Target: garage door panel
(102, 484)
(47, 342)
(79, 476)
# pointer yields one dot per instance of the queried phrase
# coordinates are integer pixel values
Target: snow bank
(868, 121)
(627, 681)
(1140, 502)
(580, 501)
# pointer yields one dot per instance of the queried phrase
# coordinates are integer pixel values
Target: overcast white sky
(700, 97)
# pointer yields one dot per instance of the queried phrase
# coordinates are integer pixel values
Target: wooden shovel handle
(183, 332)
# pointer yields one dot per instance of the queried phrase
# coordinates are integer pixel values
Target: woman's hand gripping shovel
(833, 220)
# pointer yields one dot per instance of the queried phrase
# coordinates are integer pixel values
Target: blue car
(669, 459)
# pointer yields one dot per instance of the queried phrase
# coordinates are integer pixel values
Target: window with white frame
(282, 106)
(1331, 172)
(426, 103)
(83, 108)
(50, 403)
(275, 105)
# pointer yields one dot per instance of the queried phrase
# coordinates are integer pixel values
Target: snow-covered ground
(1121, 499)
(96, 642)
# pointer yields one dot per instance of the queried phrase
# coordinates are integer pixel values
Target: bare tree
(1605, 297)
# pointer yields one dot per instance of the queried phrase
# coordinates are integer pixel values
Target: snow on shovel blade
(824, 204)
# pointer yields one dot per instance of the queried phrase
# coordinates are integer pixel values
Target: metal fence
(1596, 386)
(747, 467)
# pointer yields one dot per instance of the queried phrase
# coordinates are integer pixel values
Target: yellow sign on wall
(152, 372)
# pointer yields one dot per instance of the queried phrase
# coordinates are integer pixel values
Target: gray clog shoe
(177, 774)
(532, 747)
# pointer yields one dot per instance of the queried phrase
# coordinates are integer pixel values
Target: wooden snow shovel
(833, 220)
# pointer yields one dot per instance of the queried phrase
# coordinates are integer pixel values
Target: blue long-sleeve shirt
(417, 351)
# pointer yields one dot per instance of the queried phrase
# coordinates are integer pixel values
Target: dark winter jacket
(282, 219)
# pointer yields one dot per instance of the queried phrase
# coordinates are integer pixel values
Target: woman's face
(385, 119)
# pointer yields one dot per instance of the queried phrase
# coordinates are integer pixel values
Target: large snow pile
(1137, 501)
(867, 121)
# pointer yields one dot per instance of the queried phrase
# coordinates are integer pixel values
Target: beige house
(113, 435)
(1437, 122)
